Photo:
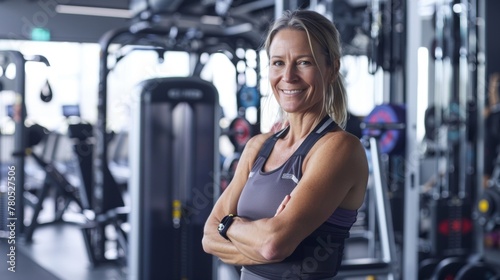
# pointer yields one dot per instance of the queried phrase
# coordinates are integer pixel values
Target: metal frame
(387, 264)
(412, 184)
(18, 85)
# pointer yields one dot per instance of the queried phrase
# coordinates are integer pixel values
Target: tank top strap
(324, 126)
(268, 145)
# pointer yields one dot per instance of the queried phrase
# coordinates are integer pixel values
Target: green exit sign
(40, 34)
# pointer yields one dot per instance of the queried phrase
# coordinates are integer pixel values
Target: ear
(334, 71)
(337, 66)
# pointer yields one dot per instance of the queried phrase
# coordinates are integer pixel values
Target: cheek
(273, 78)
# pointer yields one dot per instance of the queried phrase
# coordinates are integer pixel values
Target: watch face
(221, 226)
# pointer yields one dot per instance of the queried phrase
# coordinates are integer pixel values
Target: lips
(292, 91)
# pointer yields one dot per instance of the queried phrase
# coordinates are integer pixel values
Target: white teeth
(295, 91)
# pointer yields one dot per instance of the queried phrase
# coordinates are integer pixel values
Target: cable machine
(161, 26)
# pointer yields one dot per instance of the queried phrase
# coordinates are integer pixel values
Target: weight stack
(175, 180)
(452, 233)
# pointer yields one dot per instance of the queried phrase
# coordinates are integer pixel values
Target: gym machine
(55, 182)
(81, 134)
(174, 153)
(458, 134)
(65, 192)
(13, 79)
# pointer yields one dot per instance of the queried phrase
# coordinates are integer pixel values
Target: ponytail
(336, 101)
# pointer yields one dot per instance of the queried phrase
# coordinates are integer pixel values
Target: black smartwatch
(224, 225)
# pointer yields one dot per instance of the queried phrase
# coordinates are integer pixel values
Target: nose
(289, 73)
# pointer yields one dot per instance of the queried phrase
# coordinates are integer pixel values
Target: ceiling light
(93, 11)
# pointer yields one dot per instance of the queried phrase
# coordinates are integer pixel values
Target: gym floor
(57, 251)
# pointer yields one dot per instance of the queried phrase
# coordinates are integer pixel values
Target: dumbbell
(477, 271)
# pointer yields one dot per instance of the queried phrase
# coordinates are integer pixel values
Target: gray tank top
(320, 254)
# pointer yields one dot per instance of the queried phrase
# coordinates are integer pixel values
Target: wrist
(224, 225)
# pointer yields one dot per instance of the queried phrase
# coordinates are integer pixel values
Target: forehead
(291, 40)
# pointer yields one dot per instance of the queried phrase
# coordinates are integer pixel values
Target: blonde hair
(323, 32)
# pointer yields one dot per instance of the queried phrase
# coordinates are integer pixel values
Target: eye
(303, 62)
(278, 63)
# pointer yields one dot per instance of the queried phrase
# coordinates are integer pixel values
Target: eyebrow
(298, 57)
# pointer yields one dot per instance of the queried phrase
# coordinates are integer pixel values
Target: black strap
(324, 126)
(268, 146)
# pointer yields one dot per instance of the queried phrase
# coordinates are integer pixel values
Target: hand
(283, 204)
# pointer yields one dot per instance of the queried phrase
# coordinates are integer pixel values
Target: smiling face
(297, 79)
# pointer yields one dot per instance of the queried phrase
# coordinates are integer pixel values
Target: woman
(295, 193)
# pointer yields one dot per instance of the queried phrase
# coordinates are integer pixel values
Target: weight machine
(174, 153)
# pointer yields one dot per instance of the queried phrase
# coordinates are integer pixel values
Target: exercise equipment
(114, 213)
(15, 62)
(488, 203)
(248, 96)
(391, 136)
(65, 192)
(477, 271)
(454, 125)
(239, 132)
(156, 29)
(453, 226)
(488, 208)
(427, 267)
(176, 178)
(387, 123)
(46, 92)
(463, 268)
(448, 268)
(382, 228)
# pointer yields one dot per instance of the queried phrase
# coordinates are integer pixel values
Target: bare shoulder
(258, 140)
(341, 143)
(340, 151)
(255, 143)
(341, 158)
(252, 149)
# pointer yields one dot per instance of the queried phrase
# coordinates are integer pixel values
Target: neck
(301, 126)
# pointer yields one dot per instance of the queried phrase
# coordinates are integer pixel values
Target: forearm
(253, 239)
(225, 250)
